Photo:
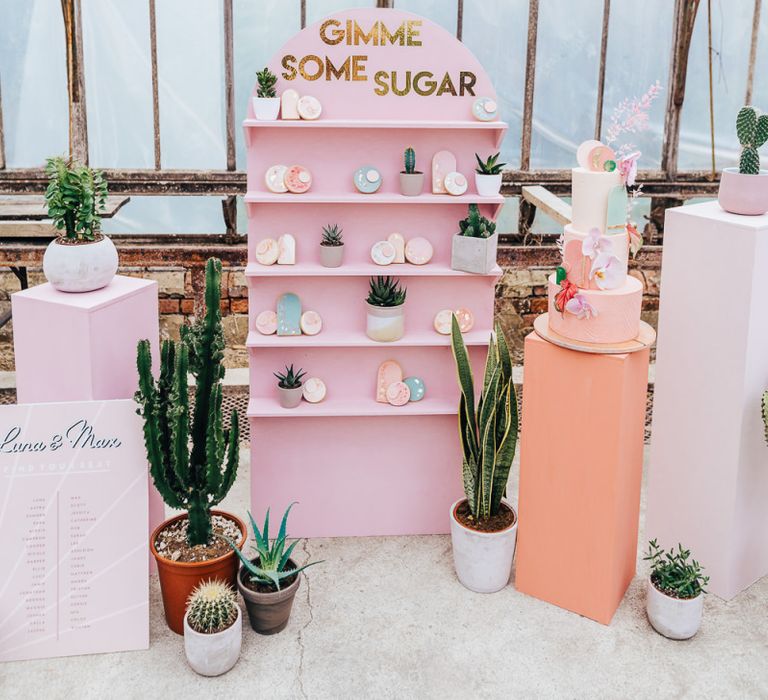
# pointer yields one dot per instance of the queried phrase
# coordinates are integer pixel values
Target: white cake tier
(590, 193)
(616, 316)
(579, 266)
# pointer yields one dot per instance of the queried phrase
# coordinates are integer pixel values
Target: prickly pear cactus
(212, 607)
(752, 131)
(410, 161)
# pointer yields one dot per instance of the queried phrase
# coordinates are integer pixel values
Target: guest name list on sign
(73, 512)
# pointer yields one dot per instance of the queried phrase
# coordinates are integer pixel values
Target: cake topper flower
(635, 239)
(595, 244)
(607, 271)
(630, 116)
(568, 290)
(628, 168)
(580, 307)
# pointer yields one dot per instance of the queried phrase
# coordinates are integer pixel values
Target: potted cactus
(411, 180)
(744, 190)
(289, 386)
(386, 309)
(80, 258)
(484, 524)
(266, 104)
(488, 175)
(213, 629)
(332, 246)
(192, 459)
(474, 247)
(269, 581)
(675, 599)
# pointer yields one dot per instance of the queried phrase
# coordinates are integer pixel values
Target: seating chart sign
(73, 518)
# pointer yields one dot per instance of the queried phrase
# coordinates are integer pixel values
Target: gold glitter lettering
(335, 36)
(358, 67)
(430, 84)
(397, 38)
(446, 86)
(343, 71)
(380, 79)
(303, 64)
(413, 32)
(290, 70)
(467, 81)
(360, 36)
(407, 87)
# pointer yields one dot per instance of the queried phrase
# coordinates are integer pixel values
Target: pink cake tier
(578, 265)
(616, 318)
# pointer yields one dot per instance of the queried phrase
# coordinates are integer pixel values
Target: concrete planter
(743, 194)
(488, 185)
(474, 254)
(674, 618)
(331, 255)
(80, 267)
(266, 109)
(385, 323)
(290, 398)
(411, 184)
(268, 612)
(213, 654)
(483, 560)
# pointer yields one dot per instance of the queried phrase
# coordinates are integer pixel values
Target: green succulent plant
(386, 292)
(409, 159)
(273, 559)
(211, 607)
(672, 572)
(289, 379)
(266, 80)
(332, 236)
(752, 130)
(476, 225)
(76, 196)
(489, 166)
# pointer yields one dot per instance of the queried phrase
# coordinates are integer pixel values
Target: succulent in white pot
(488, 175)
(474, 247)
(289, 386)
(332, 246)
(675, 599)
(266, 104)
(385, 317)
(213, 628)
(484, 524)
(81, 258)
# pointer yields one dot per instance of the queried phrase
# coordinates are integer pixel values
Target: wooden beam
(2, 137)
(530, 79)
(155, 88)
(78, 121)
(33, 207)
(753, 51)
(601, 69)
(548, 202)
(459, 19)
(229, 84)
(303, 13)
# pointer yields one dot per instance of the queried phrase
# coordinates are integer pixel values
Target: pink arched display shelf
(358, 467)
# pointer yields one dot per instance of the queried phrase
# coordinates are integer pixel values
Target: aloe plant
(332, 236)
(289, 379)
(488, 431)
(385, 292)
(752, 131)
(266, 80)
(489, 166)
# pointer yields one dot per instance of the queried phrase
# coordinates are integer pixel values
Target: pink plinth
(82, 347)
(708, 473)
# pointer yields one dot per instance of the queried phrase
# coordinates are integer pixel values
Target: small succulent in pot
(268, 582)
(745, 190)
(213, 628)
(289, 386)
(488, 175)
(411, 180)
(81, 258)
(332, 246)
(676, 588)
(474, 247)
(385, 309)
(266, 104)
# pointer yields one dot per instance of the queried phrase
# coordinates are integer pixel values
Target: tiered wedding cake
(591, 297)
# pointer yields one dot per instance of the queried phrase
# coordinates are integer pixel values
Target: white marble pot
(385, 323)
(471, 254)
(488, 185)
(266, 109)
(290, 398)
(213, 654)
(674, 618)
(483, 560)
(80, 267)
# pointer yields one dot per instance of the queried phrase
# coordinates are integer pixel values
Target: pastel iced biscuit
(389, 373)
(314, 390)
(418, 251)
(367, 179)
(309, 107)
(397, 240)
(442, 321)
(398, 394)
(311, 323)
(465, 319)
(266, 322)
(383, 253)
(298, 179)
(455, 183)
(443, 162)
(289, 102)
(267, 251)
(274, 179)
(416, 387)
(485, 109)
(287, 249)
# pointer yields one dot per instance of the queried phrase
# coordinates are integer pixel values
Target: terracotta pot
(290, 398)
(213, 654)
(674, 618)
(743, 194)
(385, 323)
(411, 184)
(268, 612)
(331, 255)
(177, 578)
(80, 267)
(470, 254)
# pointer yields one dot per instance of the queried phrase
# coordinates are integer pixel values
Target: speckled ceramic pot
(213, 654)
(674, 618)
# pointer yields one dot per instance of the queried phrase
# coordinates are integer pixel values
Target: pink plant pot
(743, 194)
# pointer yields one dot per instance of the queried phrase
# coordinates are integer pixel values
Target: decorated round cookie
(266, 322)
(583, 151)
(274, 179)
(298, 179)
(466, 320)
(398, 394)
(397, 240)
(455, 183)
(416, 387)
(383, 253)
(602, 159)
(313, 390)
(442, 321)
(267, 251)
(418, 251)
(309, 107)
(485, 109)
(311, 323)
(367, 179)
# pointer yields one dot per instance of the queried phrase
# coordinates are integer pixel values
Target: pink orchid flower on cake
(580, 307)
(595, 244)
(628, 168)
(607, 271)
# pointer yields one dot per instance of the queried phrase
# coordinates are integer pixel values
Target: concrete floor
(386, 618)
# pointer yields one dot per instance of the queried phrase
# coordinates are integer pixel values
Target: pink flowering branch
(631, 116)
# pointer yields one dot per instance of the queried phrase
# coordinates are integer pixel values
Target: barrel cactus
(752, 130)
(211, 607)
(193, 467)
(410, 161)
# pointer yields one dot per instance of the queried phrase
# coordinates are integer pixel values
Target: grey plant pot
(268, 613)
(411, 184)
(477, 255)
(331, 255)
(290, 398)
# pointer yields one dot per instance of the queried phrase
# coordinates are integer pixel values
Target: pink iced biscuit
(583, 151)
(398, 394)
(397, 240)
(389, 373)
(266, 322)
(298, 179)
(311, 323)
(274, 178)
(314, 390)
(289, 102)
(267, 251)
(466, 320)
(287, 246)
(599, 156)
(418, 251)
(443, 321)
(309, 107)
(383, 253)
(455, 183)
(443, 162)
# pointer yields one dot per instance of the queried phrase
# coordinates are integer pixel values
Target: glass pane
(33, 70)
(442, 12)
(118, 78)
(317, 9)
(168, 215)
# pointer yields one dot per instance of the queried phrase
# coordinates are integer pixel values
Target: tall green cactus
(410, 161)
(192, 469)
(752, 131)
(489, 433)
